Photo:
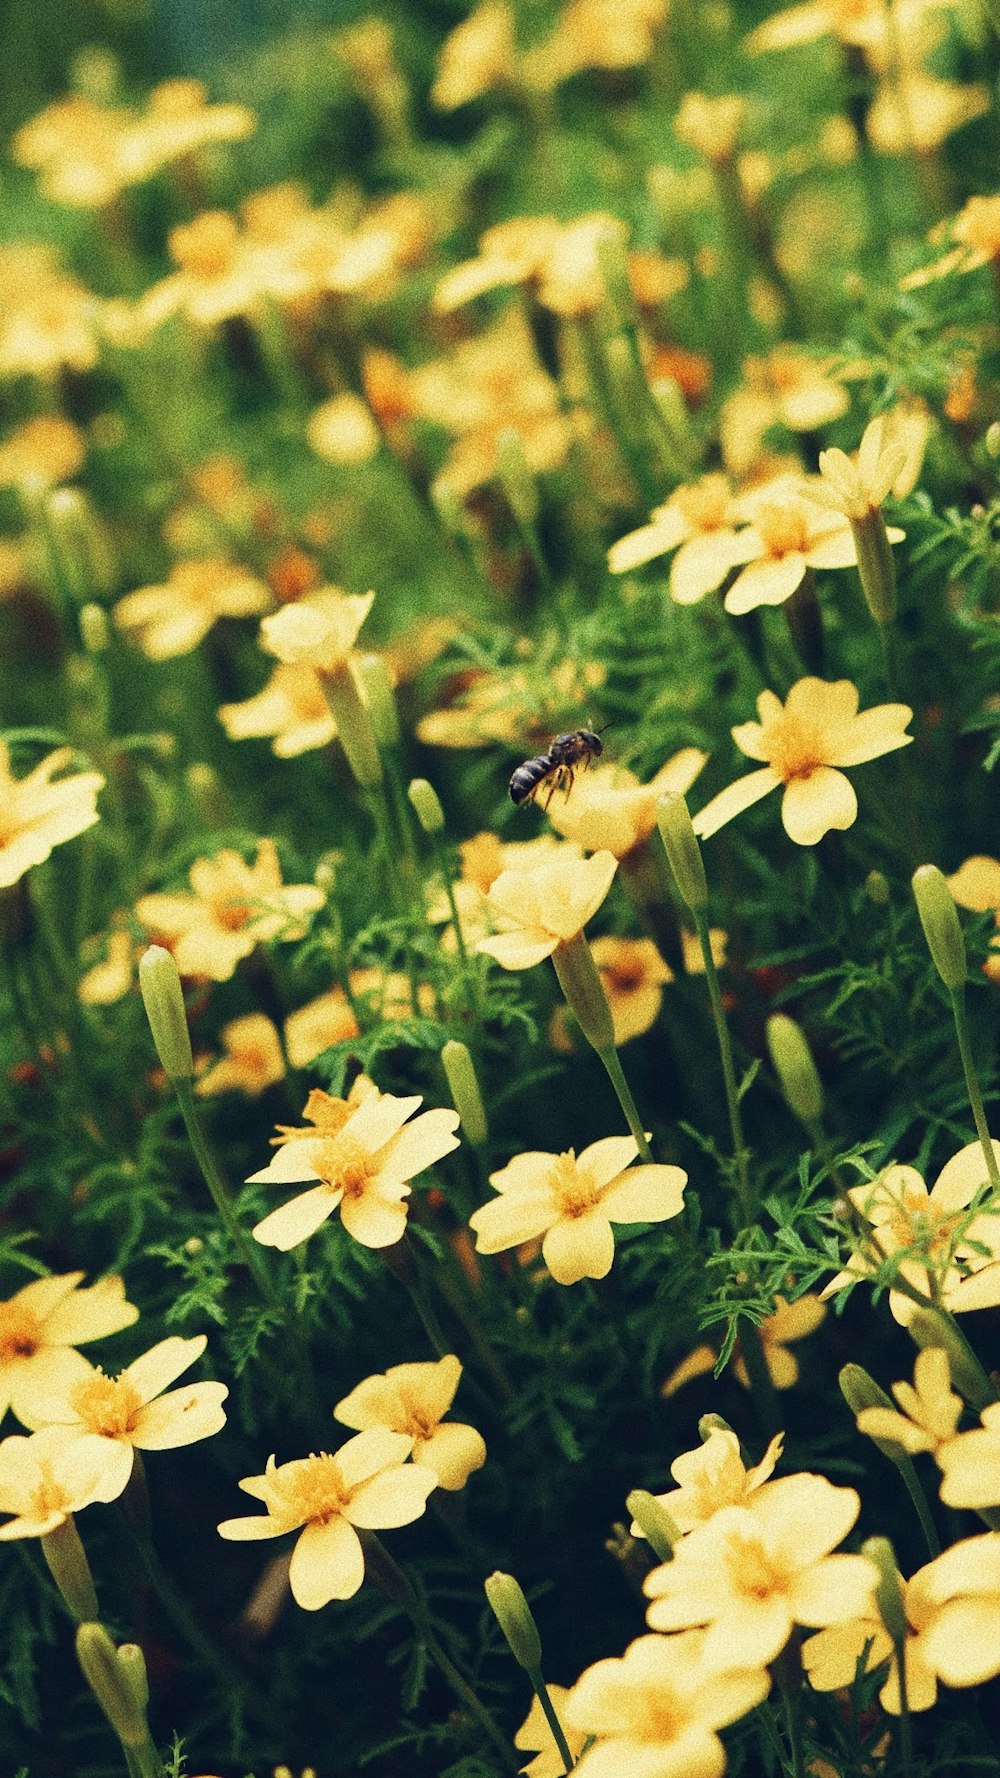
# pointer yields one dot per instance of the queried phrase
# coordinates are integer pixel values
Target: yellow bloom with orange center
(831, 1657)
(43, 1323)
(535, 1734)
(367, 1485)
(976, 234)
(572, 1200)
(971, 1462)
(131, 1412)
(788, 534)
(252, 1061)
(655, 1712)
(41, 453)
(608, 810)
(48, 318)
(804, 741)
(634, 975)
(698, 521)
(941, 1247)
(319, 632)
(36, 814)
(43, 1481)
(173, 617)
(545, 907)
(222, 271)
(231, 909)
(291, 708)
(318, 1026)
(363, 1168)
(413, 1399)
(713, 1477)
(929, 1409)
(751, 1573)
(976, 885)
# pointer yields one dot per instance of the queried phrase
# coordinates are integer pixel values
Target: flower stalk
(587, 999)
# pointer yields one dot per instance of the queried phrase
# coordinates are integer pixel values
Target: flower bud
(653, 1522)
(464, 1089)
(861, 1391)
(69, 1568)
(427, 804)
(163, 999)
(888, 1588)
(132, 1663)
(877, 888)
(876, 568)
(513, 1613)
(613, 261)
(208, 794)
(929, 1327)
(516, 478)
(378, 689)
(710, 1423)
(355, 728)
(793, 1064)
(98, 1658)
(95, 631)
(683, 850)
(942, 927)
(584, 991)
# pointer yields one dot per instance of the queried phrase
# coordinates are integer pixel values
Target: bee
(556, 769)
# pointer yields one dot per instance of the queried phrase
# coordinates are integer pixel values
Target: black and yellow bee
(556, 769)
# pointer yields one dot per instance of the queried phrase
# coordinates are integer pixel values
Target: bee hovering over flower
(556, 769)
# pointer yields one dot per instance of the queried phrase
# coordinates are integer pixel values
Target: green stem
(905, 1720)
(616, 1075)
(219, 1190)
(541, 1691)
(69, 1568)
(765, 1395)
(180, 1614)
(787, 1670)
(972, 1086)
(728, 1071)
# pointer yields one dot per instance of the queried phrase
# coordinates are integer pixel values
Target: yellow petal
(296, 1221)
(579, 1247)
(812, 805)
(733, 800)
(327, 1563)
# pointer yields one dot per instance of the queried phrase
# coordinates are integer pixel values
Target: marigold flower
(323, 1022)
(222, 272)
(930, 1409)
(711, 126)
(542, 908)
(413, 1399)
(712, 1477)
(37, 815)
(131, 1413)
(884, 464)
(831, 1656)
(48, 318)
(942, 1242)
(654, 1713)
(364, 1167)
(788, 1323)
(971, 1461)
(572, 1200)
(608, 810)
(962, 1592)
(976, 885)
(41, 1324)
(634, 975)
(43, 1481)
(343, 431)
(753, 1572)
(319, 632)
(916, 112)
(173, 617)
(109, 980)
(478, 54)
(291, 708)
(41, 453)
(367, 1484)
(788, 535)
(231, 909)
(976, 233)
(804, 740)
(252, 1061)
(699, 522)
(604, 34)
(535, 1734)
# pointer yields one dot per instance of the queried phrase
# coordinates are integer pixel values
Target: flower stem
(972, 1086)
(905, 1739)
(541, 1691)
(616, 1075)
(219, 1190)
(787, 1671)
(69, 1568)
(743, 1186)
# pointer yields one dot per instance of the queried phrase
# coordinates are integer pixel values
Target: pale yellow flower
(323, 1022)
(788, 534)
(36, 814)
(367, 1484)
(221, 273)
(43, 1481)
(976, 885)
(535, 1733)
(654, 1713)
(634, 976)
(603, 34)
(109, 980)
(343, 431)
(867, 25)
(291, 708)
(572, 1200)
(961, 1642)
(319, 632)
(751, 1573)
(712, 1477)
(515, 706)
(131, 1413)
(971, 1462)
(231, 909)
(831, 1657)
(172, 618)
(179, 121)
(43, 1323)
(413, 1399)
(804, 741)
(929, 1409)
(48, 318)
(364, 1168)
(976, 234)
(477, 55)
(916, 113)
(608, 810)
(711, 126)
(888, 462)
(803, 392)
(252, 1061)
(559, 261)
(698, 521)
(542, 908)
(41, 453)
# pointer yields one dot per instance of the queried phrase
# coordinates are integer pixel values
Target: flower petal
(394, 1497)
(766, 582)
(517, 950)
(452, 1452)
(327, 1563)
(645, 1194)
(605, 1159)
(579, 1247)
(733, 800)
(294, 1222)
(869, 735)
(163, 1364)
(377, 1216)
(700, 565)
(515, 1217)
(181, 1417)
(427, 1139)
(812, 805)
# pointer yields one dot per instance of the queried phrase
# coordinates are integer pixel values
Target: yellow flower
(37, 815)
(961, 1643)
(41, 453)
(976, 232)
(542, 908)
(364, 1167)
(41, 1324)
(634, 975)
(319, 1025)
(513, 706)
(976, 885)
(930, 1409)
(787, 388)
(179, 121)
(606, 34)
(753, 1572)
(109, 980)
(935, 1232)
(571, 1201)
(711, 126)
(917, 112)
(863, 24)
(831, 1657)
(608, 810)
(291, 707)
(343, 431)
(221, 273)
(173, 617)
(48, 319)
(788, 1323)
(788, 534)
(804, 741)
(130, 1412)
(713, 1477)
(232, 908)
(654, 1712)
(413, 1399)
(888, 462)
(971, 1462)
(319, 632)
(43, 1480)
(698, 521)
(367, 1483)
(535, 1733)
(478, 54)
(253, 1060)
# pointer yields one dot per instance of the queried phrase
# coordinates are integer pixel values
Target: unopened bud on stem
(163, 999)
(795, 1068)
(654, 1523)
(942, 927)
(513, 1613)
(427, 804)
(683, 850)
(464, 1089)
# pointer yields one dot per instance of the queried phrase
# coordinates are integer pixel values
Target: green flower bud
(683, 850)
(516, 477)
(613, 261)
(877, 888)
(69, 1568)
(427, 804)
(464, 1089)
(95, 631)
(860, 1391)
(132, 1663)
(208, 794)
(888, 1588)
(654, 1522)
(876, 567)
(163, 999)
(378, 690)
(942, 927)
(584, 991)
(355, 728)
(513, 1613)
(98, 1658)
(710, 1423)
(795, 1068)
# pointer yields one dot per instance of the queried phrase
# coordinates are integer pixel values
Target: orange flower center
(46, 1497)
(346, 1166)
(316, 1492)
(705, 504)
(663, 1717)
(794, 747)
(107, 1405)
(20, 1332)
(782, 529)
(574, 1190)
(206, 247)
(625, 977)
(751, 1572)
